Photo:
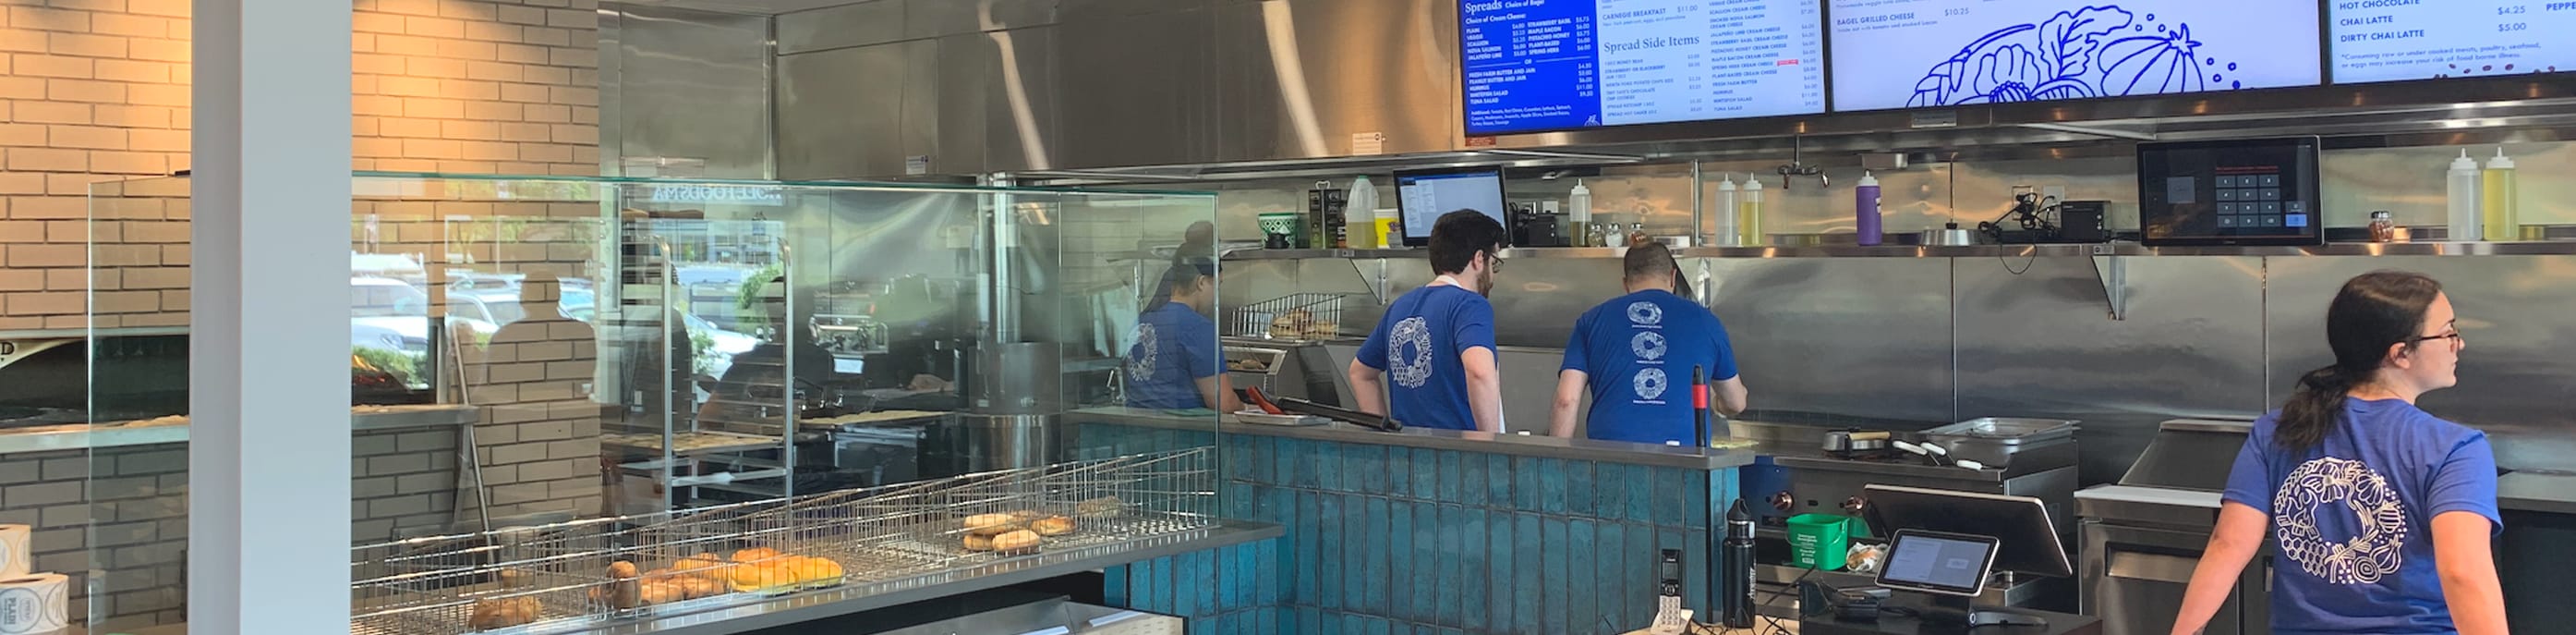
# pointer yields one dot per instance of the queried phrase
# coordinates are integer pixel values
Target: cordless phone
(1670, 617)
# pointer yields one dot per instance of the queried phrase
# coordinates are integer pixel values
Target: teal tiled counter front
(1427, 532)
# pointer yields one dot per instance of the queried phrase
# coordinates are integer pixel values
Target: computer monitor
(1423, 196)
(1939, 563)
(2028, 540)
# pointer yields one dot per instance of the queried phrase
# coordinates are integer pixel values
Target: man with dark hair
(1176, 363)
(1434, 348)
(1199, 241)
(1637, 351)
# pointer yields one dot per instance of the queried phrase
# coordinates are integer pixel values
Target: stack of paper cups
(34, 604)
(15, 554)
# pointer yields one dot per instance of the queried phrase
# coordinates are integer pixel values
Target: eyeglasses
(2454, 336)
(1494, 262)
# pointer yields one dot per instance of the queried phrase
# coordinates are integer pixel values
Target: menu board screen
(2388, 40)
(1538, 65)
(1930, 53)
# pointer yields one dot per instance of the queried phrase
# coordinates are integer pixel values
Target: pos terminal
(1949, 544)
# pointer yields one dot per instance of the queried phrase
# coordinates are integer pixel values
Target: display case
(563, 389)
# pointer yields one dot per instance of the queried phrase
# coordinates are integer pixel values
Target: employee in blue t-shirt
(1430, 363)
(1176, 363)
(1636, 353)
(2381, 514)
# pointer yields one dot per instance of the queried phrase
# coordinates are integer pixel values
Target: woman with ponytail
(2382, 513)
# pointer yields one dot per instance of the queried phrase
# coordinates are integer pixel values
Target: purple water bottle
(1865, 209)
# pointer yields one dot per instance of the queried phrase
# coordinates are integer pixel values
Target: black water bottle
(1735, 560)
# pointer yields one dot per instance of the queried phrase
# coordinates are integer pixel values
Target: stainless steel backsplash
(1946, 339)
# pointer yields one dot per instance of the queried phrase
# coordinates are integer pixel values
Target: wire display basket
(1302, 317)
(547, 579)
(586, 574)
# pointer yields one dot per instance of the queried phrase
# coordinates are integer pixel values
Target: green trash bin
(1819, 541)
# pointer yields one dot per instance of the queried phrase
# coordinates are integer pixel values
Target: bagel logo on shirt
(1642, 312)
(2330, 488)
(1648, 346)
(1408, 352)
(1650, 383)
(1140, 360)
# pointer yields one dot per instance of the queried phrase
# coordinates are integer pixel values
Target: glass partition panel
(649, 369)
(113, 494)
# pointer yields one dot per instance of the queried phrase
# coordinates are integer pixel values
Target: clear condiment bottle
(1578, 208)
(1726, 234)
(2464, 183)
(1637, 235)
(2382, 227)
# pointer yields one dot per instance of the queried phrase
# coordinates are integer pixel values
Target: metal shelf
(2535, 248)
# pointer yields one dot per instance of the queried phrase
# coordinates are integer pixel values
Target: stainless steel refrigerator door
(2133, 578)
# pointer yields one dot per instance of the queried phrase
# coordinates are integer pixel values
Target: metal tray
(2006, 429)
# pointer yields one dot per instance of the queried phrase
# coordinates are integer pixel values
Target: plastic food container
(1819, 541)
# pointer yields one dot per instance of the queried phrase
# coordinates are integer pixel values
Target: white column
(268, 457)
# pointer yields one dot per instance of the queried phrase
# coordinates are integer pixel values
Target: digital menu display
(2387, 40)
(1930, 53)
(1538, 65)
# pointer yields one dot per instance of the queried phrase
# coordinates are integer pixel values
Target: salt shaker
(2382, 229)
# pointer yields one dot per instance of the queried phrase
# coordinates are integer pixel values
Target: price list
(1546, 66)
(1530, 65)
(1669, 60)
(2389, 40)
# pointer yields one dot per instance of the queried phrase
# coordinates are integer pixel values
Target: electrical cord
(1794, 587)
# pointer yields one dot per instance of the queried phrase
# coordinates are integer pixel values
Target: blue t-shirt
(1175, 347)
(1639, 349)
(1417, 343)
(2352, 518)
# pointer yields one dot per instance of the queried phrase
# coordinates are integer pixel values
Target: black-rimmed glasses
(2455, 337)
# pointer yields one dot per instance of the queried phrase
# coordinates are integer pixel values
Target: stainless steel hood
(1150, 91)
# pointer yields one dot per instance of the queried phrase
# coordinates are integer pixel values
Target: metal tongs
(1936, 454)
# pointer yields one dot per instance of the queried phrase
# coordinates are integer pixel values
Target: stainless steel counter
(175, 429)
(1510, 445)
(811, 606)
(2537, 492)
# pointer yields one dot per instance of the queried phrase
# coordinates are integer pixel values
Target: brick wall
(538, 436)
(94, 90)
(116, 521)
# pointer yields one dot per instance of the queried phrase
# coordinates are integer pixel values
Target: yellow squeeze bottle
(2502, 222)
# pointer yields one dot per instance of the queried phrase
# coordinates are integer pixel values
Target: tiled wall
(1237, 590)
(94, 90)
(1387, 539)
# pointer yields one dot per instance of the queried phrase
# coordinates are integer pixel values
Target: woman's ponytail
(2314, 408)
